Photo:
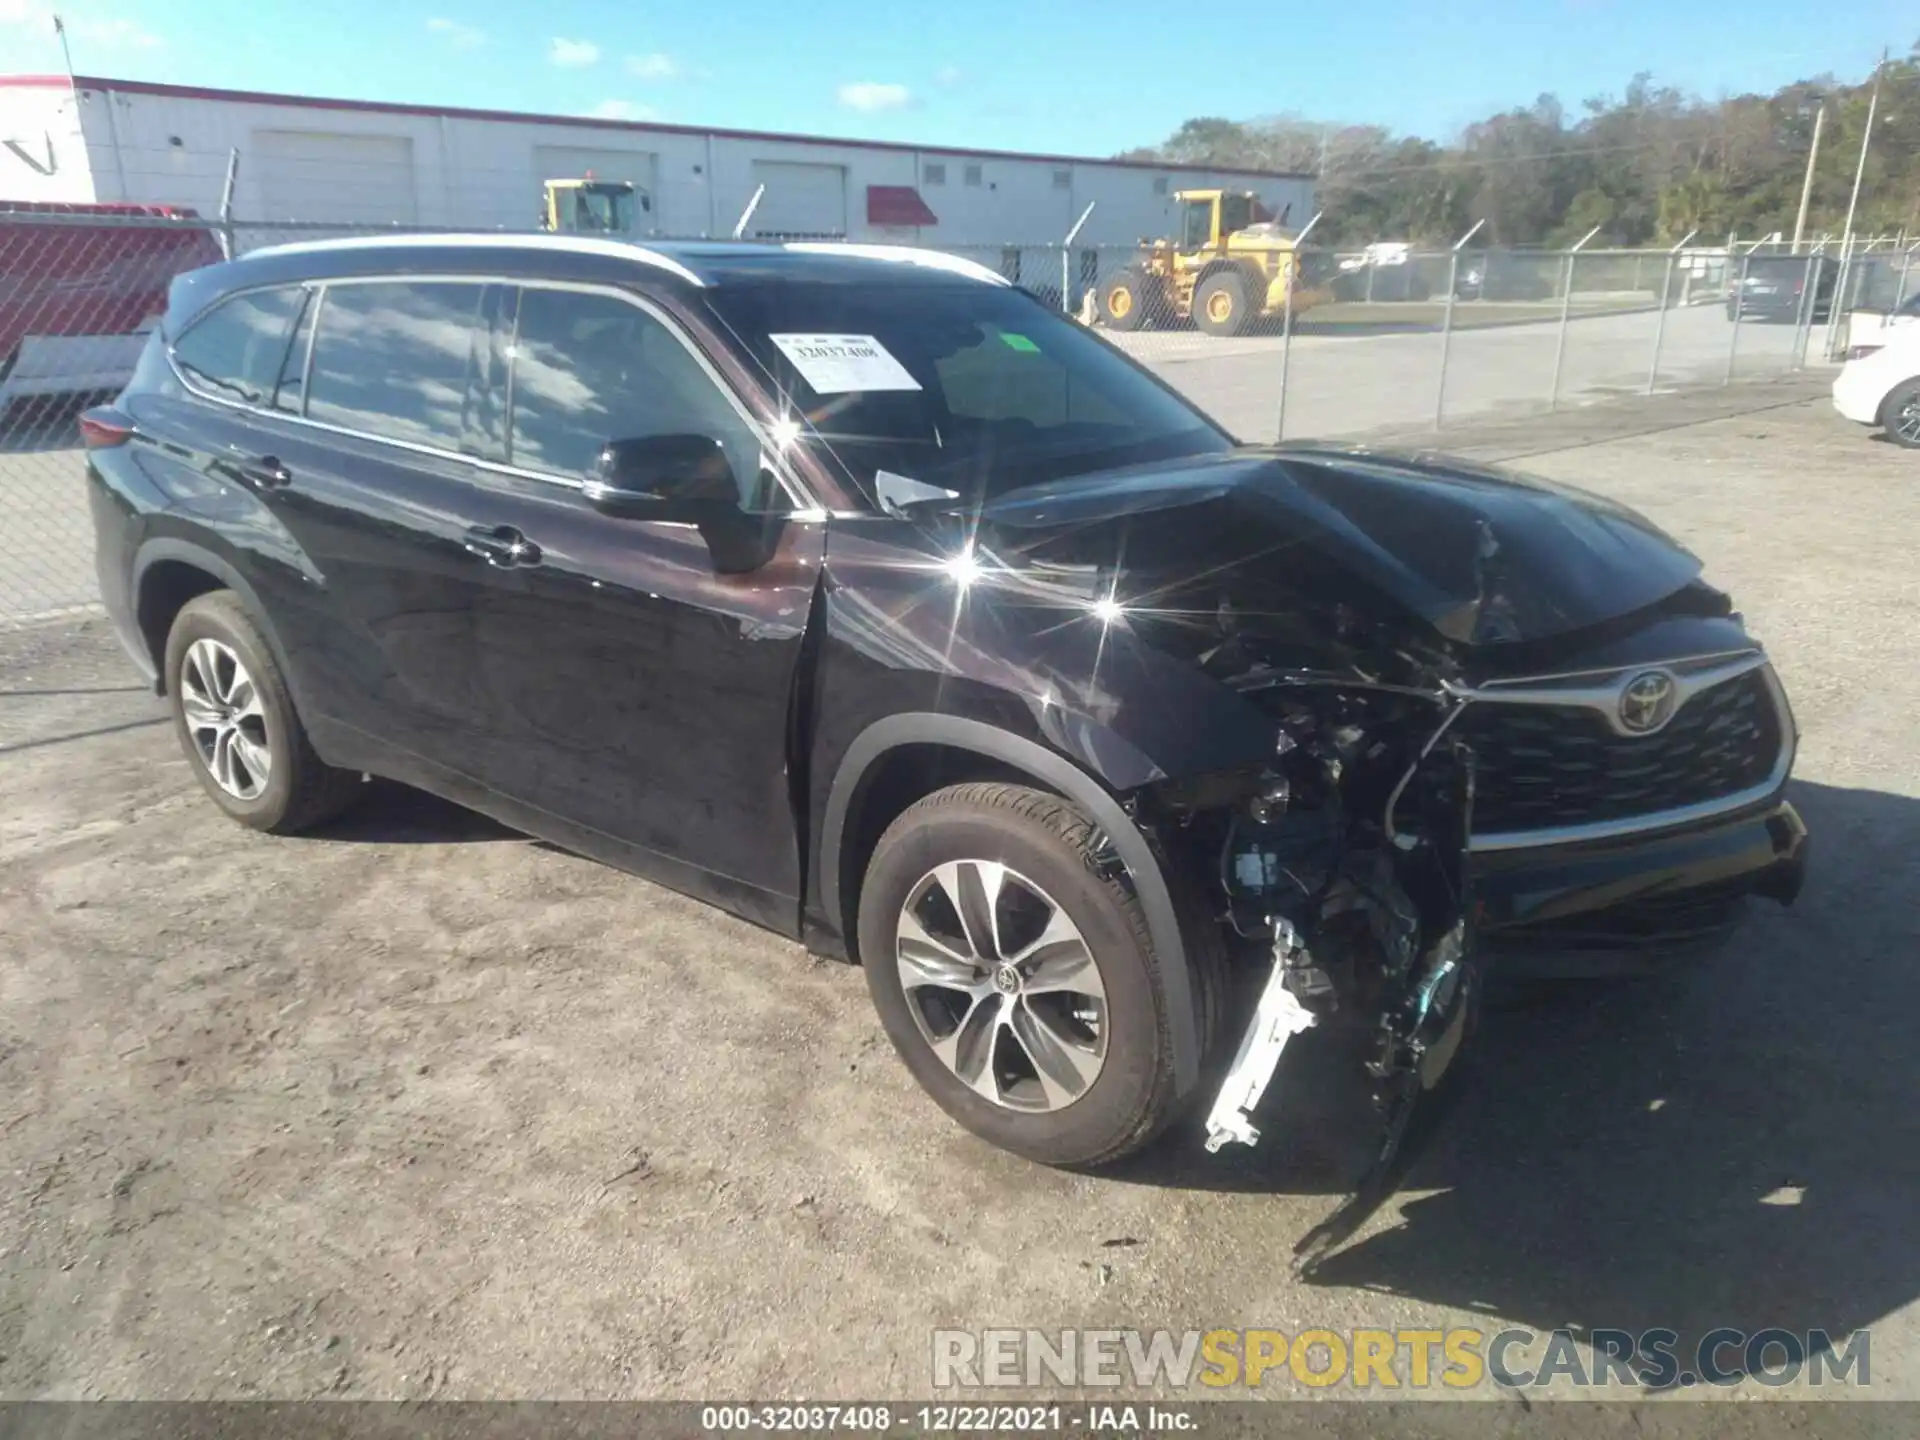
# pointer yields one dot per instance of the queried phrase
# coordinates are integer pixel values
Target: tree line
(1646, 167)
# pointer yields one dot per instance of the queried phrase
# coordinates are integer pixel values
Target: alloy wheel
(225, 719)
(1907, 423)
(1002, 985)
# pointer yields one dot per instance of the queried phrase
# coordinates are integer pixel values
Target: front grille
(1541, 767)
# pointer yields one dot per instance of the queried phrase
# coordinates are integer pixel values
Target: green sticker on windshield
(1018, 342)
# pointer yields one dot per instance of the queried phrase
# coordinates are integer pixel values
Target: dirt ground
(421, 1108)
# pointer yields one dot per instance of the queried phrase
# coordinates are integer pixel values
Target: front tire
(1900, 414)
(1014, 974)
(1220, 304)
(235, 720)
(1128, 300)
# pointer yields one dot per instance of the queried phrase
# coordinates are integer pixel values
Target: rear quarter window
(238, 349)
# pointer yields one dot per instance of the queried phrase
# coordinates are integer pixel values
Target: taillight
(103, 429)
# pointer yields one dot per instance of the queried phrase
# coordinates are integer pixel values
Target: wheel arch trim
(872, 745)
(161, 549)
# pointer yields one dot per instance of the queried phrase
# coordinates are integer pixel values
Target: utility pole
(1866, 139)
(1806, 186)
(1835, 312)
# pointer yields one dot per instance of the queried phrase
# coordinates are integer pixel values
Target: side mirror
(663, 477)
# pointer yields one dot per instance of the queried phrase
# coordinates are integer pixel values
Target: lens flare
(963, 569)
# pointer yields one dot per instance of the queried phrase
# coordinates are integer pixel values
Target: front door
(633, 691)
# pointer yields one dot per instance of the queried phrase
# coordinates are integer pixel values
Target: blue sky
(1068, 76)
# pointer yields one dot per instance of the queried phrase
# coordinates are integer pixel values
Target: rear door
(400, 396)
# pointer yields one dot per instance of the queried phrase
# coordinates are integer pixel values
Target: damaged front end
(1340, 661)
(1354, 888)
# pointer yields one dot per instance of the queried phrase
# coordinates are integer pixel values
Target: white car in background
(1882, 386)
(1868, 329)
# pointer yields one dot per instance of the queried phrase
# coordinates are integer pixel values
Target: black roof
(698, 264)
(685, 265)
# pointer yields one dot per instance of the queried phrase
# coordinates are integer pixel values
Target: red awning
(897, 205)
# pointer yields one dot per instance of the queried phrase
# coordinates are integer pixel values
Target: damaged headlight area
(1352, 889)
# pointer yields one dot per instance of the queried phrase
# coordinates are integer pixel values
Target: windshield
(974, 388)
(603, 210)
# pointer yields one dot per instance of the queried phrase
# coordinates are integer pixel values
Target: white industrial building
(358, 162)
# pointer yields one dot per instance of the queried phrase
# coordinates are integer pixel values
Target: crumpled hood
(1483, 555)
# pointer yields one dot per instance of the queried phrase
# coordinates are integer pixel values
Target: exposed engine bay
(1355, 908)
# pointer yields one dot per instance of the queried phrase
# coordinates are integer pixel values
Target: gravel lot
(421, 1108)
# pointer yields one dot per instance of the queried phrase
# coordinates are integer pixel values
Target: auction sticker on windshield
(837, 364)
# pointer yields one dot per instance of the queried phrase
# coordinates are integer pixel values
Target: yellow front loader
(592, 207)
(1231, 267)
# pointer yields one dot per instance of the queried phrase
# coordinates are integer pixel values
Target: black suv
(857, 592)
(1774, 287)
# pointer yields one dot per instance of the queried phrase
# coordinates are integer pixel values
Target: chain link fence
(1274, 344)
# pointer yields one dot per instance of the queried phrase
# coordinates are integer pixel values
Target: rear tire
(235, 720)
(1220, 304)
(1128, 300)
(1900, 414)
(1067, 1061)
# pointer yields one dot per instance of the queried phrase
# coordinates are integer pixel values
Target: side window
(591, 368)
(1199, 224)
(396, 359)
(236, 350)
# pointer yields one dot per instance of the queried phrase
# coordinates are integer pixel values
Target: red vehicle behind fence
(80, 286)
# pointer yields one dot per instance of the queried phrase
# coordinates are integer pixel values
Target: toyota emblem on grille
(1647, 702)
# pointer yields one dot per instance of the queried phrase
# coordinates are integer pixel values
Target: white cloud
(621, 110)
(574, 54)
(116, 33)
(657, 66)
(109, 32)
(948, 76)
(461, 37)
(872, 95)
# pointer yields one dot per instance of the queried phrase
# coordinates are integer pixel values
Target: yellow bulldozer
(593, 207)
(1231, 267)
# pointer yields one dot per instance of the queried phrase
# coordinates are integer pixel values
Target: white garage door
(354, 179)
(577, 162)
(802, 202)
